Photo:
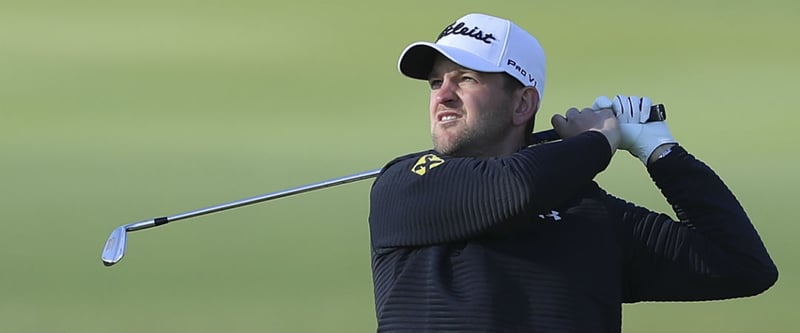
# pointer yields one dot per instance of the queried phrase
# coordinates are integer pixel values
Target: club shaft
(252, 200)
(276, 195)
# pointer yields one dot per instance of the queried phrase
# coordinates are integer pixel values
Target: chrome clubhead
(115, 246)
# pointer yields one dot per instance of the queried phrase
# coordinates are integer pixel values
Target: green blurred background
(119, 111)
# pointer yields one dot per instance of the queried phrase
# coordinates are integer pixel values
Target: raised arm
(712, 252)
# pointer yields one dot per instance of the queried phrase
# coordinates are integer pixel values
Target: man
(485, 233)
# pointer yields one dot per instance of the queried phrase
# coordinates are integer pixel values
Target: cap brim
(416, 61)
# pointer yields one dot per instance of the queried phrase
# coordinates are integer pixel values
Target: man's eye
(435, 84)
(468, 78)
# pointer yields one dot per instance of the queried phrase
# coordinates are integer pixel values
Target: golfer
(487, 233)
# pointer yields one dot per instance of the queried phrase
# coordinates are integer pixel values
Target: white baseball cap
(481, 43)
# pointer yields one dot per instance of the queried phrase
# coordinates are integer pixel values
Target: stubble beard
(476, 140)
(459, 144)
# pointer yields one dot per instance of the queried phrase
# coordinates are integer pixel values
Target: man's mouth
(447, 116)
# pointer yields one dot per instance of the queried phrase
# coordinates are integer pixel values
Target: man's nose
(446, 93)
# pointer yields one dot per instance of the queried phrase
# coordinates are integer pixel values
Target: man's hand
(638, 137)
(576, 122)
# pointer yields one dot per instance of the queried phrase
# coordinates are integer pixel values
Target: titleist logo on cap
(458, 28)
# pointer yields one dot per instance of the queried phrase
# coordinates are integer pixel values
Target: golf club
(114, 249)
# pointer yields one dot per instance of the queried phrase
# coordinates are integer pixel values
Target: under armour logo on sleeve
(552, 215)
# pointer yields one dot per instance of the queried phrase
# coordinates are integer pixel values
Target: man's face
(470, 112)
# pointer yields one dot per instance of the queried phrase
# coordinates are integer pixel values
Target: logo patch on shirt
(426, 163)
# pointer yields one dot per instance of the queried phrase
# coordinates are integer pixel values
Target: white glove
(639, 137)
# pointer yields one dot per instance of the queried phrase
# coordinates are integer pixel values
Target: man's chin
(448, 148)
(443, 147)
(452, 144)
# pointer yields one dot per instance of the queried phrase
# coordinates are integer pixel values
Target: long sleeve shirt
(529, 243)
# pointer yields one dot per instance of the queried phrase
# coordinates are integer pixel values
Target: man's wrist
(660, 152)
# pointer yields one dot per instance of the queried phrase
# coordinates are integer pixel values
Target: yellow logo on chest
(426, 163)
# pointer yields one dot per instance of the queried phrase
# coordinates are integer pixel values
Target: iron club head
(115, 246)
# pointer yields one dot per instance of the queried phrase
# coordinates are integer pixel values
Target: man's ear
(527, 106)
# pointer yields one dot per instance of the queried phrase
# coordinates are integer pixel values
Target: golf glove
(639, 137)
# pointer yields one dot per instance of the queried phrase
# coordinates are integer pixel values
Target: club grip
(657, 113)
